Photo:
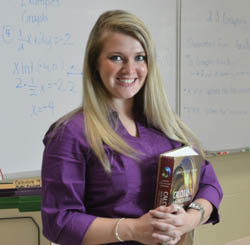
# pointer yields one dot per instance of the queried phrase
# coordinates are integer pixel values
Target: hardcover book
(178, 180)
(21, 183)
(28, 183)
(4, 186)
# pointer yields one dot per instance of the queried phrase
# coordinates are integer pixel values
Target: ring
(178, 209)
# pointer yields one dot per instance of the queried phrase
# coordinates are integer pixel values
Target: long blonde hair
(152, 98)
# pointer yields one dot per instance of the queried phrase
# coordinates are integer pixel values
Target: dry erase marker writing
(245, 150)
(223, 153)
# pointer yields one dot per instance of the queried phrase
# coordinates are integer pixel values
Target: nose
(128, 67)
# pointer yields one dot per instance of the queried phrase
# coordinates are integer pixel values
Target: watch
(199, 207)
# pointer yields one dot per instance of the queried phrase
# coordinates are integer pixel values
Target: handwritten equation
(223, 91)
(38, 68)
(25, 39)
(39, 88)
(38, 109)
(218, 111)
(45, 80)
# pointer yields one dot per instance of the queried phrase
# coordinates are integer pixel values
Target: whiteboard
(215, 72)
(41, 57)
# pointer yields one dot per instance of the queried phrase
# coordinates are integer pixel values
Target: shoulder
(67, 131)
(75, 123)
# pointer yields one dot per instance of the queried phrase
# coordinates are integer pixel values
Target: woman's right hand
(142, 230)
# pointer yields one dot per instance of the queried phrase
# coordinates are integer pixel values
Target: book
(21, 183)
(4, 186)
(23, 203)
(32, 191)
(178, 180)
(7, 192)
(36, 191)
(28, 183)
(11, 177)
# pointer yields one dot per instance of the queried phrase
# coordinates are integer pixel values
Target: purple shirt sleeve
(63, 187)
(210, 190)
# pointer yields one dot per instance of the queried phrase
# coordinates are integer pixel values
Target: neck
(124, 108)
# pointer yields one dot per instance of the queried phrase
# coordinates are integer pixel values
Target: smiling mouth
(127, 81)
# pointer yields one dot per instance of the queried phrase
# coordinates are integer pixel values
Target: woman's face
(122, 65)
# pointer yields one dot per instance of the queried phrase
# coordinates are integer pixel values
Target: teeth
(127, 80)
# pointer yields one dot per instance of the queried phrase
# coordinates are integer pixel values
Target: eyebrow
(141, 52)
(120, 53)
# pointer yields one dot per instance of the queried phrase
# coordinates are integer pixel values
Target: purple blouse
(76, 189)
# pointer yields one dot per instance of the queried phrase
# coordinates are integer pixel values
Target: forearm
(102, 230)
(210, 190)
(196, 215)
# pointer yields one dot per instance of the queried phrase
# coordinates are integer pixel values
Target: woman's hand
(173, 221)
(160, 225)
(145, 229)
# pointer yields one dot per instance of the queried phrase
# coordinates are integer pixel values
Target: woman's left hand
(173, 221)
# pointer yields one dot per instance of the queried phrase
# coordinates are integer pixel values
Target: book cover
(23, 203)
(178, 180)
(33, 191)
(28, 183)
(20, 183)
(4, 186)
(7, 192)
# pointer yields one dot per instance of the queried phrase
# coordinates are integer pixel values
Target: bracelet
(116, 230)
(199, 207)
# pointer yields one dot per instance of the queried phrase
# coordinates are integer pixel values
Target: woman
(100, 161)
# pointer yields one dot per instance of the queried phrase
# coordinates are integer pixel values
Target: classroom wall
(233, 172)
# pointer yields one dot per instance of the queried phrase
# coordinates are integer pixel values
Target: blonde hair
(151, 99)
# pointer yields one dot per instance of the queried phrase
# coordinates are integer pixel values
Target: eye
(140, 58)
(116, 58)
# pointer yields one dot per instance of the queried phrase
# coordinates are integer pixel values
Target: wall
(233, 172)
(20, 231)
